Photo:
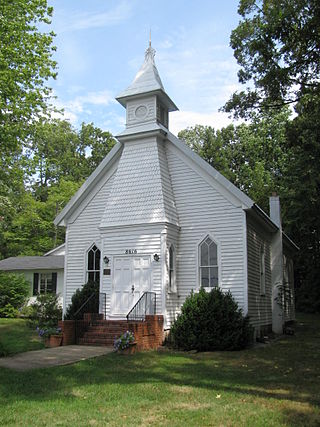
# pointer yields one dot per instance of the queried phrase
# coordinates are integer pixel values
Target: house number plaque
(130, 251)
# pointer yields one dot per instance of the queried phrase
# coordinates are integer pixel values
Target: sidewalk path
(49, 357)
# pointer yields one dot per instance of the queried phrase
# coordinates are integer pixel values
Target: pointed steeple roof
(147, 81)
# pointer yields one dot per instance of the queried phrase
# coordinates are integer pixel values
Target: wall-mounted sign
(107, 272)
(130, 251)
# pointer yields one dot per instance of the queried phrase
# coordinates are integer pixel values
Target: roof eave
(124, 97)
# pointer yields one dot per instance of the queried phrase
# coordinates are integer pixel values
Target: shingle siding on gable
(259, 306)
(203, 210)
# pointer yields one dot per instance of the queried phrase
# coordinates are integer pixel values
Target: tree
(277, 45)
(26, 64)
(210, 145)
(253, 156)
(58, 151)
(31, 231)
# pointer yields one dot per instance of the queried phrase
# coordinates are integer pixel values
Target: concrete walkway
(49, 357)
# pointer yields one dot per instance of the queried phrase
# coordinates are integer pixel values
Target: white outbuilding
(155, 217)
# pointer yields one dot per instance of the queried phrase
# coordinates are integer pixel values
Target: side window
(172, 270)
(93, 266)
(262, 272)
(44, 283)
(208, 263)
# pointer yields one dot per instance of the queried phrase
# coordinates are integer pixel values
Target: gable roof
(59, 250)
(50, 262)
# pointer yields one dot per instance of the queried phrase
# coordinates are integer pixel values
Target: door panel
(132, 277)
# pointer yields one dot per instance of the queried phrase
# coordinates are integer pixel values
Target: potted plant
(52, 336)
(125, 344)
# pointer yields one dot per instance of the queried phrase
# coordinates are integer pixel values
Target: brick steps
(104, 332)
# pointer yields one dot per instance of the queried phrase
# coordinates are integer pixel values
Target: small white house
(156, 217)
(44, 273)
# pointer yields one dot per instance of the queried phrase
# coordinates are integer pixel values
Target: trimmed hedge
(211, 321)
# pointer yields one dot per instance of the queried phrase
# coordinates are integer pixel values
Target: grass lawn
(16, 336)
(273, 385)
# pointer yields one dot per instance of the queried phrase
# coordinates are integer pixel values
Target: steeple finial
(150, 52)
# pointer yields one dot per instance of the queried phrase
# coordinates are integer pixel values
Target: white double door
(131, 278)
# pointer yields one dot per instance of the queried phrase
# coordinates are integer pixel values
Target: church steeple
(145, 99)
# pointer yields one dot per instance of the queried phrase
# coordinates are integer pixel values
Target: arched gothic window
(208, 263)
(93, 267)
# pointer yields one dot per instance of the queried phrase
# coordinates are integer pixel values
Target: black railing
(95, 305)
(146, 305)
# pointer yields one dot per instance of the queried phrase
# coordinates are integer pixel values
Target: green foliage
(80, 297)
(253, 156)
(14, 290)
(277, 45)
(26, 64)
(46, 311)
(60, 159)
(211, 321)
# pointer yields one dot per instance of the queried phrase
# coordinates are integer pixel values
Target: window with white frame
(262, 271)
(93, 266)
(208, 263)
(44, 283)
(172, 272)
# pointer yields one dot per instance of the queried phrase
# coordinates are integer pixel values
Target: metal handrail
(145, 305)
(84, 304)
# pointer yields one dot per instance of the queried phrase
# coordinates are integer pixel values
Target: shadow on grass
(287, 370)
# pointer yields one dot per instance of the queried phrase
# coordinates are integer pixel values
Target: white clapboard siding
(82, 233)
(203, 210)
(259, 306)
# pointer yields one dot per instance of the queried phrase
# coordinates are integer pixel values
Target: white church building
(156, 217)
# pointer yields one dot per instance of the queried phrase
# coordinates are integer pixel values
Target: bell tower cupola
(145, 100)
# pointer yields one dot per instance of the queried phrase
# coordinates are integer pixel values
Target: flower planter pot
(129, 350)
(53, 341)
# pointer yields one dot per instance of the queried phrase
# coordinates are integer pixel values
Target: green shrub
(80, 297)
(46, 310)
(211, 321)
(14, 290)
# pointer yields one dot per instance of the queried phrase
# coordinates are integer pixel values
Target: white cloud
(84, 21)
(77, 106)
(180, 120)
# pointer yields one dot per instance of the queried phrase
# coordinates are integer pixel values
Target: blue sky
(100, 48)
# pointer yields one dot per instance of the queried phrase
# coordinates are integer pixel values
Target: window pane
(208, 240)
(213, 277)
(49, 283)
(91, 276)
(213, 254)
(171, 258)
(97, 276)
(42, 284)
(204, 257)
(204, 272)
(97, 260)
(91, 259)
